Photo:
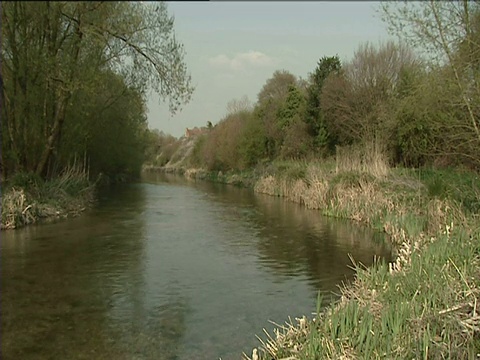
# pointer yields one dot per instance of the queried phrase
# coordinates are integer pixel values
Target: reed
(367, 158)
(28, 199)
(425, 304)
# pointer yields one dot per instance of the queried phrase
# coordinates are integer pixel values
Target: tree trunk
(54, 135)
(62, 104)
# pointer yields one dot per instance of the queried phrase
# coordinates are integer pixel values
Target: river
(171, 269)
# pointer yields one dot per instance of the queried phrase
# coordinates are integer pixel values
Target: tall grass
(425, 305)
(365, 158)
(27, 198)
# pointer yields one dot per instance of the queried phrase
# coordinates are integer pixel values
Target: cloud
(242, 60)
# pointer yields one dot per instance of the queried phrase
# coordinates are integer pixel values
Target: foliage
(293, 106)
(57, 56)
(271, 100)
(108, 130)
(159, 147)
(314, 115)
(252, 146)
(196, 157)
(446, 33)
(276, 87)
(297, 143)
(357, 101)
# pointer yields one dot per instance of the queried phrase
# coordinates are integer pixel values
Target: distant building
(195, 131)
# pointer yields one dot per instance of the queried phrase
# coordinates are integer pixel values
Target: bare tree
(238, 105)
(447, 33)
(356, 102)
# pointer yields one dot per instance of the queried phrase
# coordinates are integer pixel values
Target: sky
(233, 48)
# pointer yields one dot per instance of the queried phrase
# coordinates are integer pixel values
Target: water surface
(170, 269)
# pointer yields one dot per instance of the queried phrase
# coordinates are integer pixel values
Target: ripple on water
(170, 270)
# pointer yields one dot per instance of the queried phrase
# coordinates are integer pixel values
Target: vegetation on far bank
(425, 303)
(414, 101)
(391, 139)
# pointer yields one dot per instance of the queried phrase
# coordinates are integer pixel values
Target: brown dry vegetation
(395, 310)
(28, 199)
(391, 140)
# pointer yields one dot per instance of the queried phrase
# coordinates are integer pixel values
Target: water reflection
(169, 269)
(292, 240)
(295, 240)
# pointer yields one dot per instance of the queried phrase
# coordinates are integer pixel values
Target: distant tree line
(417, 100)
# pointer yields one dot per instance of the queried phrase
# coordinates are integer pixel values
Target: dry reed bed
(36, 200)
(423, 305)
(378, 315)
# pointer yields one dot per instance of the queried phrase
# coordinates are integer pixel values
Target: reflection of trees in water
(161, 177)
(56, 288)
(293, 240)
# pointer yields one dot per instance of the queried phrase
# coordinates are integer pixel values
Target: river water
(171, 269)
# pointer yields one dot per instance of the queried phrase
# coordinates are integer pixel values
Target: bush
(252, 144)
(196, 157)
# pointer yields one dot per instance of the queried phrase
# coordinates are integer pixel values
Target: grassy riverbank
(423, 306)
(27, 199)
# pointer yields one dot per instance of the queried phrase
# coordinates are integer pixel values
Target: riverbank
(27, 199)
(425, 304)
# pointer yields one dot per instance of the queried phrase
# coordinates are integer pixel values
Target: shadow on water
(170, 269)
(74, 289)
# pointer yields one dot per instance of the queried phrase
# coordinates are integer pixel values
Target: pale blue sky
(233, 48)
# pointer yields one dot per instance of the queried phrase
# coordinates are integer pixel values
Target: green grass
(425, 310)
(426, 306)
(460, 186)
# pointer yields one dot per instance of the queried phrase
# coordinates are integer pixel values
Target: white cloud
(242, 60)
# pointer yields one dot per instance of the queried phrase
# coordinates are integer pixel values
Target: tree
(239, 105)
(252, 143)
(294, 106)
(314, 114)
(447, 33)
(271, 99)
(108, 129)
(357, 102)
(295, 140)
(276, 88)
(51, 50)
